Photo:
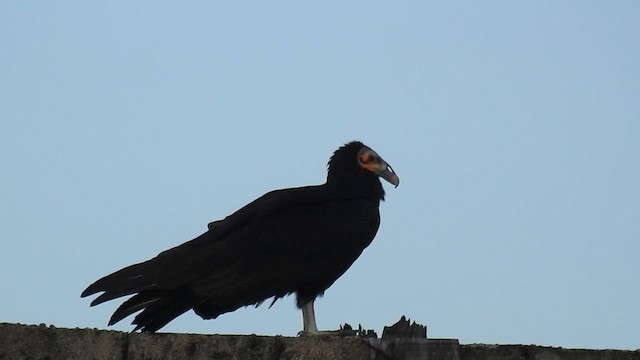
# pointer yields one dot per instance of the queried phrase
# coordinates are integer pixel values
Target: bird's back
(301, 249)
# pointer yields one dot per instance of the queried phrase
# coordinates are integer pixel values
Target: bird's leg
(311, 328)
(309, 318)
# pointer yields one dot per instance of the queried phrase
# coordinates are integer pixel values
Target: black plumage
(291, 240)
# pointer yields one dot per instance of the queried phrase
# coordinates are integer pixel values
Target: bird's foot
(345, 331)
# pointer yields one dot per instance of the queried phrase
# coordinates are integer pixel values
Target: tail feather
(135, 304)
(175, 282)
(130, 280)
(159, 312)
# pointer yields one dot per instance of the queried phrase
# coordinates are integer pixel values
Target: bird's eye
(371, 158)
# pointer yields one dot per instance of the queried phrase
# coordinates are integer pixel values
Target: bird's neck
(340, 187)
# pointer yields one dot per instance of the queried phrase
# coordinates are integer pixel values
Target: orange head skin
(371, 161)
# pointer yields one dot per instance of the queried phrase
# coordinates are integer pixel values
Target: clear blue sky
(514, 126)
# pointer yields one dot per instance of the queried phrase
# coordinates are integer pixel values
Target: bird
(295, 240)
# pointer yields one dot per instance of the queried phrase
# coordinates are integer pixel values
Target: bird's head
(356, 166)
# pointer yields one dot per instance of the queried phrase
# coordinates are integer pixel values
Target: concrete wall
(42, 342)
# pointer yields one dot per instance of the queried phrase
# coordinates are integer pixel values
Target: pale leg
(310, 328)
(309, 318)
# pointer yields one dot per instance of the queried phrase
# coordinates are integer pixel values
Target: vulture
(298, 240)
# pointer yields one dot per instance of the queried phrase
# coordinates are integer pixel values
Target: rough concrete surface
(42, 342)
(239, 347)
(533, 352)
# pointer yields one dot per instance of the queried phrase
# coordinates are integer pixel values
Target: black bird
(291, 240)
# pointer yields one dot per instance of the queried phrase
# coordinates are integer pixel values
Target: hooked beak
(385, 171)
